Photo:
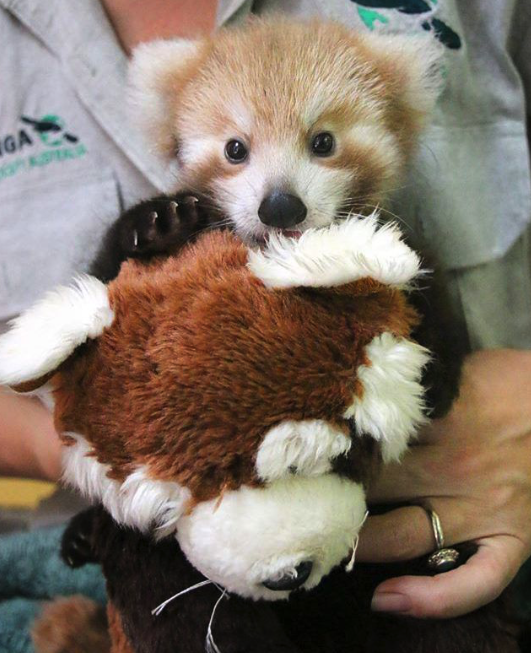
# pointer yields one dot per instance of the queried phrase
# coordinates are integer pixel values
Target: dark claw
(159, 226)
(76, 544)
(77, 551)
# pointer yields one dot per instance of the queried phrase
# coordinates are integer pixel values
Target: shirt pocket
(49, 232)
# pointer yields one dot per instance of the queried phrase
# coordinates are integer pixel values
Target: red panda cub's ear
(411, 72)
(46, 334)
(158, 73)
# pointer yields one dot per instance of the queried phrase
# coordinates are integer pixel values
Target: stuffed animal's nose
(281, 210)
(291, 581)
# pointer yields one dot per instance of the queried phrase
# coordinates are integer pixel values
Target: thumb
(478, 582)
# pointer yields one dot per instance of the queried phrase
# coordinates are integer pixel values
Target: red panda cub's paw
(77, 546)
(159, 225)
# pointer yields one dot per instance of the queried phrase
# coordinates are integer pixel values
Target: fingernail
(390, 602)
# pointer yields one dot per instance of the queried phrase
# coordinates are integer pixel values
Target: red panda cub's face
(286, 126)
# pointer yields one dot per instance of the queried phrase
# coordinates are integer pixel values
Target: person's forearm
(29, 445)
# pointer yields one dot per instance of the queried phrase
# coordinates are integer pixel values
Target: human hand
(473, 467)
(29, 444)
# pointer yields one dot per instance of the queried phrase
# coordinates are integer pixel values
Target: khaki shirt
(468, 195)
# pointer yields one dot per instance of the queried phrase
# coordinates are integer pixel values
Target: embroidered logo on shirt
(49, 131)
(422, 9)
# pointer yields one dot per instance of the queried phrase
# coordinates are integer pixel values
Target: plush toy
(227, 408)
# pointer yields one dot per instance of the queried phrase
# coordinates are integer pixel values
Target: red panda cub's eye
(235, 151)
(323, 144)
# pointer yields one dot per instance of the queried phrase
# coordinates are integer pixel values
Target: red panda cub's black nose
(281, 210)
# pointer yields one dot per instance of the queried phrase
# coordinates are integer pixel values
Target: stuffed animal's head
(236, 399)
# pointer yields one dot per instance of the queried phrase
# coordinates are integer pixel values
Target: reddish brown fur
(120, 641)
(72, 625)
(202, 360)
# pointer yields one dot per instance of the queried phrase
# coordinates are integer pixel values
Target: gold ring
(443, 558)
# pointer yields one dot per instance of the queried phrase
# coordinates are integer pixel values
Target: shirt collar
(98, 73)
(228, 10)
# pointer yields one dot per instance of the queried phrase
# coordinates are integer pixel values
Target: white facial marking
(305, 447)
(47, 333)
(198, 150)
(255, 534)
(391, 408)
(382, 144)
(140, 501)
(242, 117)
(341, 253)
(321, 189)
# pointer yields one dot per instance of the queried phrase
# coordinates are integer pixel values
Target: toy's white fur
(305, 447)
(289, 521)
(140, 501)
(338, 254)
(47, 333)
(391, 408)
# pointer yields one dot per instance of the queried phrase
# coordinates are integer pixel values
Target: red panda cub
(276, 126)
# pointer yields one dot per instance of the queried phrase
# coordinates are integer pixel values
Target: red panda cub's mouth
(262, 239)
(291, 234)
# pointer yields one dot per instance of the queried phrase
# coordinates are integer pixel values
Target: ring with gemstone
(443, 558)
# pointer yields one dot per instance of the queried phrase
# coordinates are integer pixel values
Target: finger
(407, 533)
(456, 592)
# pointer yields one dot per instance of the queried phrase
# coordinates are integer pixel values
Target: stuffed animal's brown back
(202, 359)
